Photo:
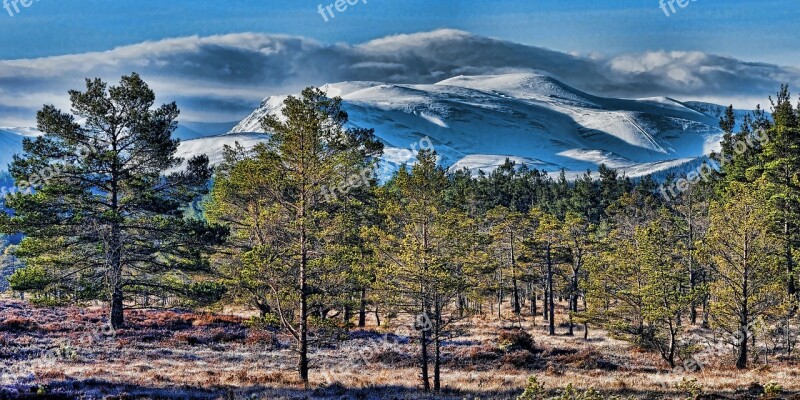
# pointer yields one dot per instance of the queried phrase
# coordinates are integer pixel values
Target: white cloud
(225, 76)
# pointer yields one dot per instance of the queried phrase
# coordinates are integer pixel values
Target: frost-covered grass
(67, 353)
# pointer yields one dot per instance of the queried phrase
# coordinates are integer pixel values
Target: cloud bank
(222, 78)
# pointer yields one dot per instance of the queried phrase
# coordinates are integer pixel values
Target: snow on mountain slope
(486, 163)
(10, 144)
(188, 130)
(196, 138)
(716, 111)
(475, 122)
(212, 146)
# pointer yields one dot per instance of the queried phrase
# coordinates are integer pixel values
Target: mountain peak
(478, 121)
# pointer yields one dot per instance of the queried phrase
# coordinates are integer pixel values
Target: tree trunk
(115, 249)
(573, 300)
(552, 317)
(499, 293)
(117, 307)
(741, 356)
(741, 359)
(533, 302)
(303, 340)
(263, 308)
(692, 272)
(586, 323)
(545, 306)
(117, 296)
(437, 381)
(516, 306)
(790, 284)
(426, 384)
(362, 310)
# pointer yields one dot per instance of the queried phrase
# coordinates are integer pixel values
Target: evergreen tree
(429, 251)
(106, 220)
(690, 224)
(507, 229)
(742, 249)
(781, 158)
(545, 243)
(293, 241)
(576, 236)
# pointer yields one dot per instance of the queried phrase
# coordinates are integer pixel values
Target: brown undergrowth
(69, 353)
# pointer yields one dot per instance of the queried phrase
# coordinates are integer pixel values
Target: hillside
(475, 122)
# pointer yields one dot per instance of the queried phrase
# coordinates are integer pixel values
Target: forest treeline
(130, 224)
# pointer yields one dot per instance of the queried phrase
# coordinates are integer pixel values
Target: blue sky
(764, 30)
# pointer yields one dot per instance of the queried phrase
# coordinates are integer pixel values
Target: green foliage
(570, 393)
(106, 210)
(313, 240)
(690, 386)
(536, 391)
(515, 339)
(772, 389)
(533, 390)
(744, 251)
(30, 278)
(205, 293)
(266, 323)
(295, 247)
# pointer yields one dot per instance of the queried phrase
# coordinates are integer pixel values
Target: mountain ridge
(477, 121)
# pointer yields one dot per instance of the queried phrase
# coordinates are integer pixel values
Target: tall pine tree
(106, 219)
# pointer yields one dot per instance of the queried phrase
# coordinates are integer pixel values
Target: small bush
(221, 335)
(65, 352)
(773, 389)
(17, 323)
(533, 390)
(485, 352)
(510, 340)
(519, 359)
(690, 387)
(212, 319)
(268, 322)
(188, 338)
(587, 359)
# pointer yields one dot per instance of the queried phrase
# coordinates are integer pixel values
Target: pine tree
(666, 292)
(545, 243)
(576, 236)
(781, 158)
(638, 287)
(292, 251)
(106, 220)
(690, 223)
(508, 230)
(742, 249)
(429, 249)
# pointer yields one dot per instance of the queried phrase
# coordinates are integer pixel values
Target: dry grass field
(64, 353)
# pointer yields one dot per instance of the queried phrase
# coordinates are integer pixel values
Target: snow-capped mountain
(196, 138)
(476, 122)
